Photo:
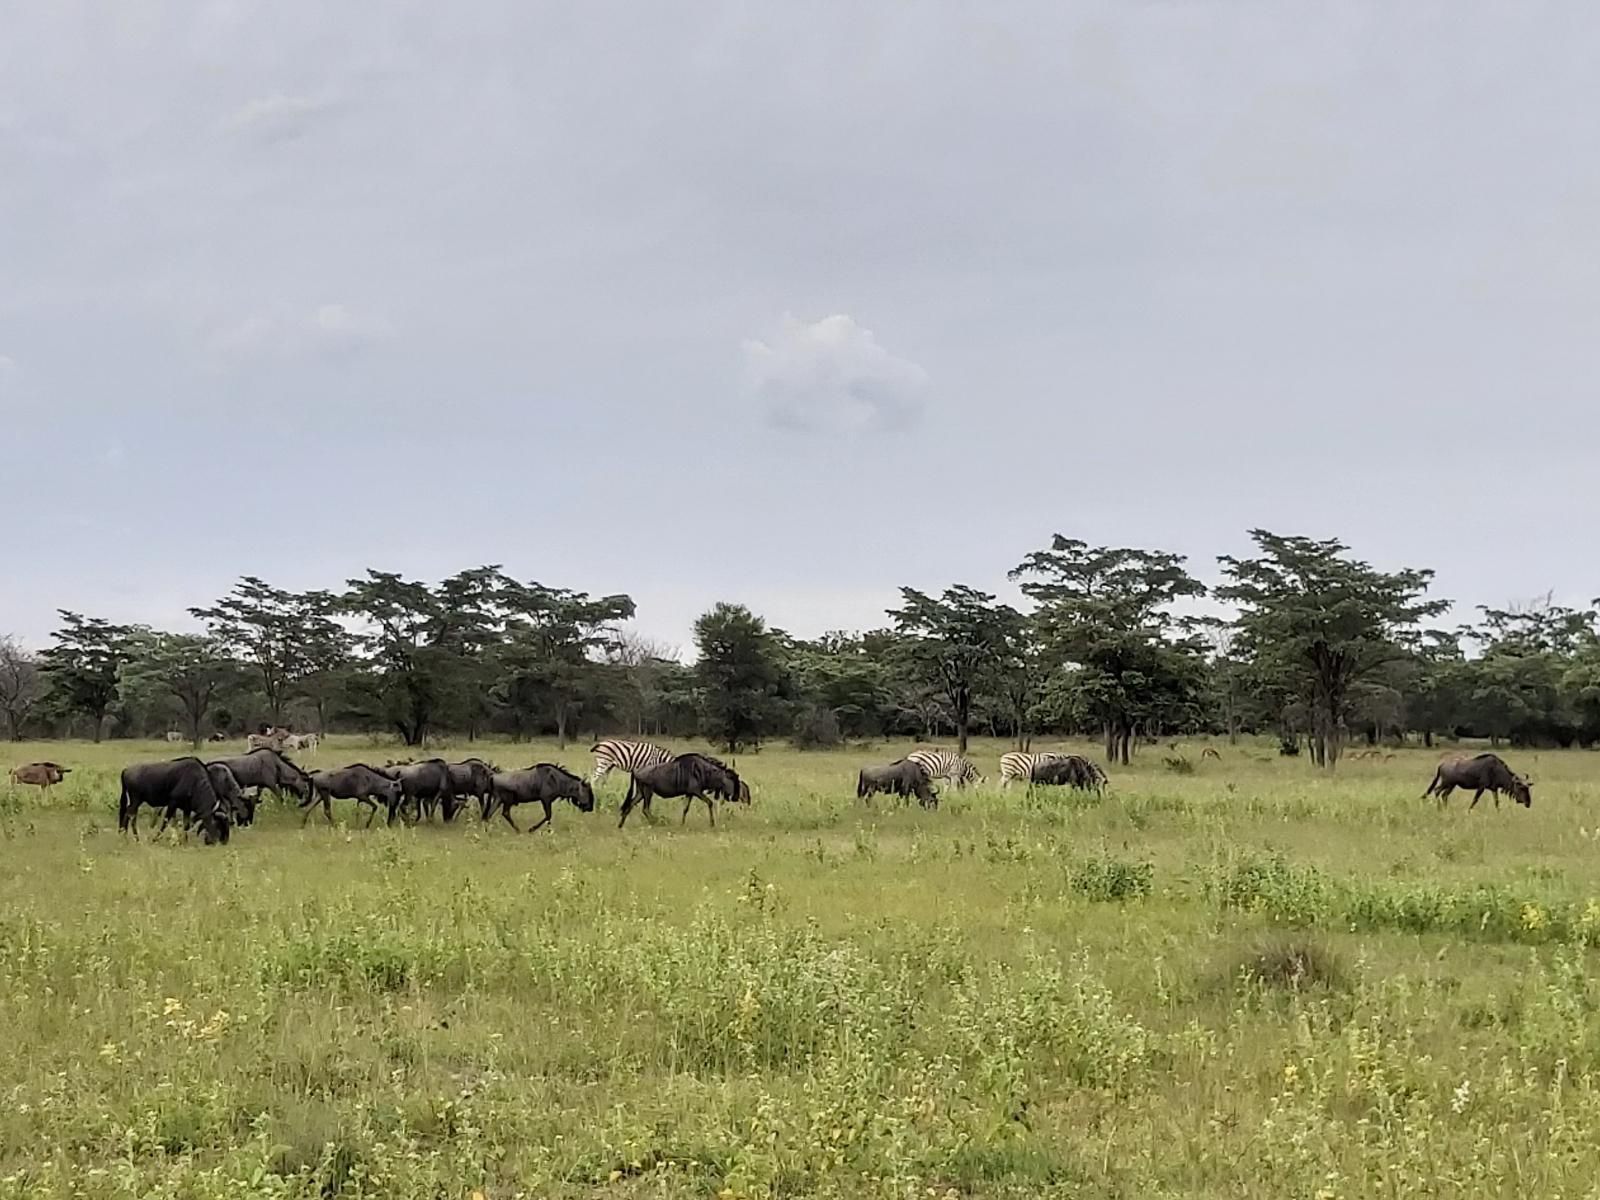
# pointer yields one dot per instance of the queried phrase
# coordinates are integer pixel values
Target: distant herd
(218, 795)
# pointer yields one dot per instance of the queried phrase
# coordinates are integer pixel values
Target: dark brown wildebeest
(42, 775)
(692, 776)
(1485, 773)
(424, 787)
(1073, 771)
(268, 770)
(182, 785)
(358, 782)
(544, 785)
(235, 801)
(902, 778)
(472, 779)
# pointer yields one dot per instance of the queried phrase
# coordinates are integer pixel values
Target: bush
(1108, 879)
(1292, 964)
(816, 728)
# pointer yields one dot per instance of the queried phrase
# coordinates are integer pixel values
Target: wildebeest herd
(219, 795)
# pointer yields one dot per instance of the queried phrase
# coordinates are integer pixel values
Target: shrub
(1108, 879)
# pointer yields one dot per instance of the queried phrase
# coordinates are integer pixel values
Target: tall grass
(1248, 981)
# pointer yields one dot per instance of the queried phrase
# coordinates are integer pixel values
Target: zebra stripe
(613, 755)
(1016, 765)
(946, 764)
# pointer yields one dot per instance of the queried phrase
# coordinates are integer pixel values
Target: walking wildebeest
(692, 776)
(42, 775)
(544, 785)
(1485, 773)
(267, 769)
(240, 806)
(902, 778)
(182, 785)
(1072, 771)
(473, 779)
(358, 782)
(424, 786)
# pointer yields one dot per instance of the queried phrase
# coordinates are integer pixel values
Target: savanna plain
(1227, 977)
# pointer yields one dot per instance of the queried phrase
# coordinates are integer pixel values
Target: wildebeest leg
(688, 803)
(371, 806)
(505, 811)
(1476, 796)
(544, 820)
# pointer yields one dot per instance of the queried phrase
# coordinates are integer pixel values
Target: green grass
(1245, 981)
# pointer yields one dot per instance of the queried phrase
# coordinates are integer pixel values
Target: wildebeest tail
(123, 803)
(1434, 786)
(861, 785)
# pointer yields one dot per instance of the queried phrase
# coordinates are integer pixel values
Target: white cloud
(832, 376)
(330, 330)
(277, 118)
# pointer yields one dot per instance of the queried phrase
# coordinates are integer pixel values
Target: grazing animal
(1016, 765)
(901, 778)
(1211, 752)
(182, 785)
(544, 785)
(946, 764)
(613, 755)
(42, 775)
(217, 737)
(1485, 773)
(1072, 770)
(266, 741)
(239, 806)
(302, 742)
(473, 779)
(424, 787)
(266, 769)
(174, 737)
(692, 776)
(359, 782)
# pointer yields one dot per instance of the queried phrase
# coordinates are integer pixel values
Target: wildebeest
(182, 785)
(358, 782)
(473, 779)
(902, 778)
(1072, 771)
(1485, 773)
(233, 799)
(424, 786)
(42, 775)
(543, 784)
(266, 768)
(692, 776)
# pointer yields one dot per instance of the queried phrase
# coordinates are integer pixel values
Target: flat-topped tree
(1321, 622)
(190, 668)
(1108, 611)
(956, 641)
(82, 666)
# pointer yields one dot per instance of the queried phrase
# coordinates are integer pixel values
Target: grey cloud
(277, 118)
(833, 376)
(283, 333)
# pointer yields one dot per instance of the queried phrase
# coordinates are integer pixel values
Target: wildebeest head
(239, 809)
(1521, 790)
(583, 801)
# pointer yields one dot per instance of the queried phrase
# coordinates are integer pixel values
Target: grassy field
(1249, 981)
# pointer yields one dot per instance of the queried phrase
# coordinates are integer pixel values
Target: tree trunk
(99, 721)
(561, 725)
(1111, 742)
(1427, 738)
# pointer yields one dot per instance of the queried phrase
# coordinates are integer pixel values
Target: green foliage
(741, 673)
(188, 668)
(957, 642)
(82, 667)
(1107, 879)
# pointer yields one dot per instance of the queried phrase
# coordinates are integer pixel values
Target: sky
(789, 305)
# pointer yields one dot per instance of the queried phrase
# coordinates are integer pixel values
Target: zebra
(946, 764)
(1015, 765)
(613, 755)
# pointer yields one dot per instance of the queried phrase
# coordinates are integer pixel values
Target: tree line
(1319, 648)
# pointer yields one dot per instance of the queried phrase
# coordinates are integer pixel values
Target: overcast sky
(789, 304)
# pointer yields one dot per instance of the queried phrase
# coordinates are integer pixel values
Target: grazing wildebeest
(42, 775)
(233, 799)
(902, 778)
(266, 768)
(424, 786)
(692, 776)
(1485, 773)
(359, 782)
(544, 785)
(473, 779)
(1072, 771)
(182, 785)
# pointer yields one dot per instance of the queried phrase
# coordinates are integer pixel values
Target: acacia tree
(411, 672)
(740, 672)
(552, 635)
(1322, 622)
(190, 668)
(955, 642)
(1107, 611)
(82, 666)
(21, 685)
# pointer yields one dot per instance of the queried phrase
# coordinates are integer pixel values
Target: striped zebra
(613, 755)
(946, 764)
(1015, 765)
